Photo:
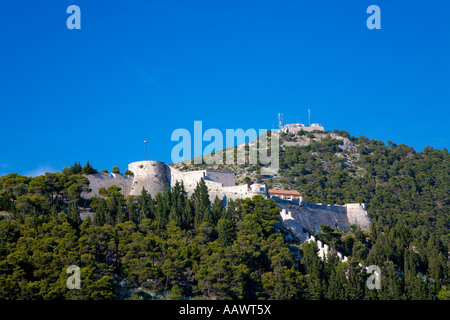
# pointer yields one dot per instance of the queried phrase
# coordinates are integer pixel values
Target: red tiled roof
(284, 192)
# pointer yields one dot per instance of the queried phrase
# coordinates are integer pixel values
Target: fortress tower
(154, 176)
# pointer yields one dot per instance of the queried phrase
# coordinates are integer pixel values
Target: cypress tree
(188, 217)
(217, 211)
(226, 232)
(202, 203)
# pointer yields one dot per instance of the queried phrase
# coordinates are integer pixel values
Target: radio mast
(280, 121)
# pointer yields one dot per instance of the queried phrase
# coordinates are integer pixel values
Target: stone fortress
(300, 217)
(155, 176)
(296, 127)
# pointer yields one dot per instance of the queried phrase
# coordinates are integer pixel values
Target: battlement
(155, 176)
(324, 250)
(296, 127)
(297, 215)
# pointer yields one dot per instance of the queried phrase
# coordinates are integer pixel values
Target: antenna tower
(280, 121)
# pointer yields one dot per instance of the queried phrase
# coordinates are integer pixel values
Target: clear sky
(139, 69)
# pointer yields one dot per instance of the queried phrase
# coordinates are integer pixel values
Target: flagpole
(145, 142)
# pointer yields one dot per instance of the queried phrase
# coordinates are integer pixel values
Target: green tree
(226, 232)
(88, 169)
(201, 203)
(217, 211)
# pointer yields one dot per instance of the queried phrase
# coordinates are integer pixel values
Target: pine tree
(175, 216)
(146, 205)
(162, 210)
(217, 211)
(201, 203)
(121, 214)
(188, 217)
(74, 215)
(226, 232)
(88, 169)
(131, 210)
(100, 213)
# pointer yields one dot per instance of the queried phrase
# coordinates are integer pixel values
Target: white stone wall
(152, 175)
(106, 180)
(324, 250)
(296, 215)
(310, 216)
(293, 128)
(227, 179)
(220, 184)
(357, 214)
(189, 178)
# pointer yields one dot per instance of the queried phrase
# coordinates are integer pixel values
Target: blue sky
(141, 69)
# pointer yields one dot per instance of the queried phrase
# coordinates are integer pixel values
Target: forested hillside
(399, 186)
(179, 247)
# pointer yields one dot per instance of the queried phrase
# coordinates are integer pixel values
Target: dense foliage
(168, 247)
(177, 247)
(399, 186)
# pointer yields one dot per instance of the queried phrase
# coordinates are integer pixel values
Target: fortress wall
(106, 180)
(290, 223)
(190, 178)
(226, 178)
(357, 214)
(241, 189)
(296, 215)
(356, 206)
(310, 216)
(212, 185)
(151, 175)
(220, 184)
(306, 129)
(225, 193)
(324, 206)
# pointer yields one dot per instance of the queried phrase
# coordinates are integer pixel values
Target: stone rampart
(106, 180)
(227, 179)
(307, 217)
(357, 214)
(154, 176)
(297, 216)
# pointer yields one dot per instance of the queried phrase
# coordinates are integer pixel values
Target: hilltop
(398, 184)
